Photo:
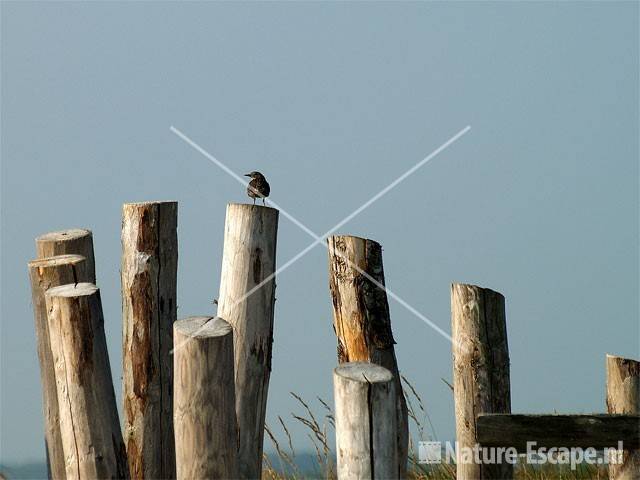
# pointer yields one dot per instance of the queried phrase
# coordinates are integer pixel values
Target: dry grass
(321, 431)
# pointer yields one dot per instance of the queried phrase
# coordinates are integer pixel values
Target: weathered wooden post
(89, 425)
(148, 279)
(204, 403)
(480, 369)
(361, 317)
(77, 241)
(366, 428)
(246, 301)
(44, 274)
(623, 396)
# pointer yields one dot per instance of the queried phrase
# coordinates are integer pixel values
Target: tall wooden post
(72, 241)
(366, 428)
(204, 415)
(148, 279)
(44, 274)
(480, 369)
(89, 425)
(246, 301)
(361, 317)
(623, 396)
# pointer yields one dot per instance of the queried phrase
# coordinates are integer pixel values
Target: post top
(149, 203)
(203, 327)
(69, 234)
(71, 259)
(476, 287)
(363, 372)
(619, 358)
(354, 237)
(250, 206)
(72, 290)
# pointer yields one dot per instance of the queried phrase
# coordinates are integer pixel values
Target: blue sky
(332, 101)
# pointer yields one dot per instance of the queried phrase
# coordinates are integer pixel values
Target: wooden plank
(595, 430)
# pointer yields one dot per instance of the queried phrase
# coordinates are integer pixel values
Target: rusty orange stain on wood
(141, 358)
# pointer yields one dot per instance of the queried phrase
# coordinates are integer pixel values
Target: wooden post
(480, 369)
(366, 428)
(148, 279)
(361, 318)
(44, 274)
(72, 241)
(623, 396)
(204, 415)
(89, 425)
(247, 301)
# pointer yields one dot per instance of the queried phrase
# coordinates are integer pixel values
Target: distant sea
(306, 462)
(25, 471)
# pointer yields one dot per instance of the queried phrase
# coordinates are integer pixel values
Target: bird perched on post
(258, 186)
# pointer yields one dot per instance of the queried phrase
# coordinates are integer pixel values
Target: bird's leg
(254, 200)
(263, 202)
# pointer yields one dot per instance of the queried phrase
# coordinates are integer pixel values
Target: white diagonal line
(398, 180)
(238, 178)
(394, 296)
(320, 239)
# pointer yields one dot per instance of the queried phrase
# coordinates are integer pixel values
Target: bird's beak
(247, 174)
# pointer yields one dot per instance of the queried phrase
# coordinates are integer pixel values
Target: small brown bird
(258, 186)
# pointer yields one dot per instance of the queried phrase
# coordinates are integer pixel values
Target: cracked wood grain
(361, 318)
(44, 274)
(148, 282)
(249, 257)
(204, 415)
(481, 381)
(89, 423)
(366, 427)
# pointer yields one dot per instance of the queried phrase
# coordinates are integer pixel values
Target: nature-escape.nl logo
(448, 452)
